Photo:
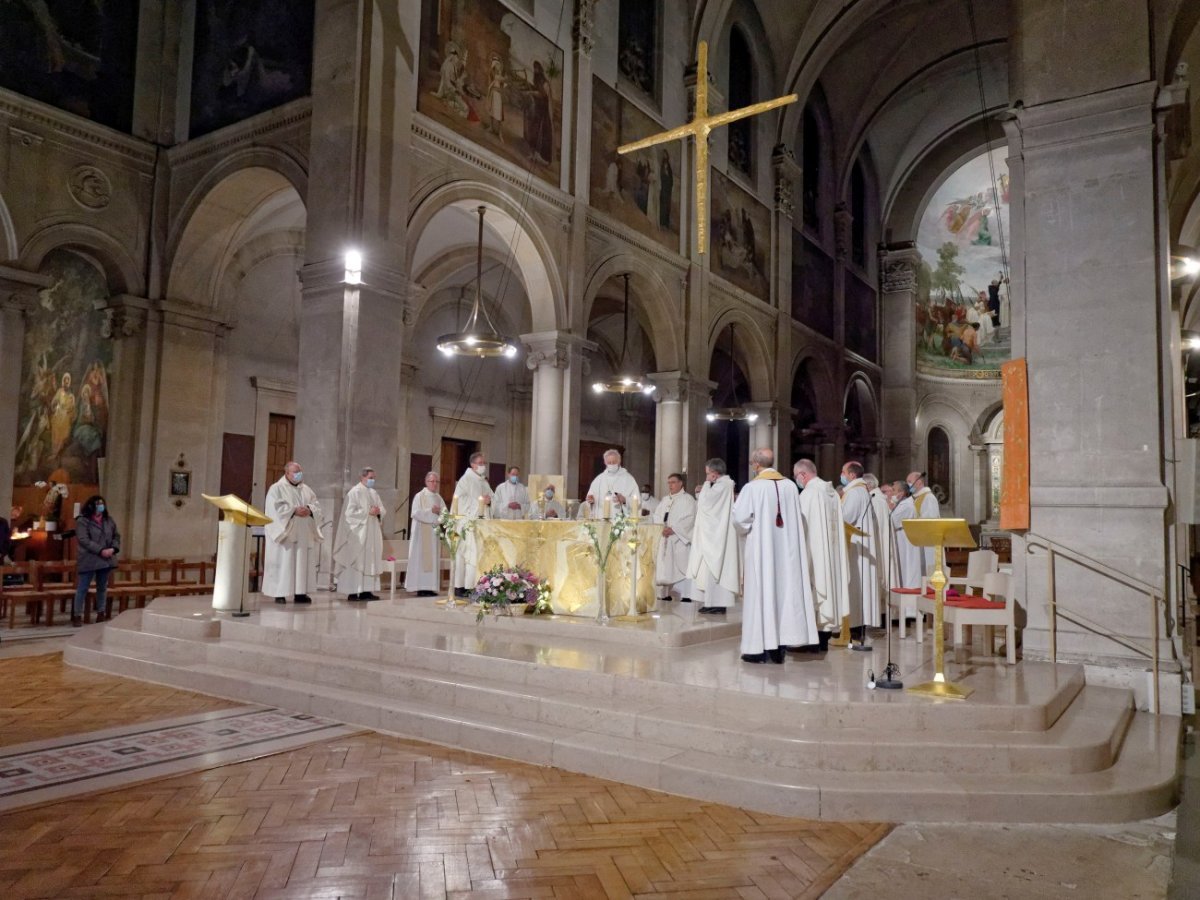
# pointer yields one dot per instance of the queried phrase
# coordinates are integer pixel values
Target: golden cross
(699, 128)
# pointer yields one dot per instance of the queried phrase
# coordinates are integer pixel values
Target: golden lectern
(229, 581)
(939, 533)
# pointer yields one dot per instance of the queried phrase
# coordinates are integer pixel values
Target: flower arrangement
(541, 603)
(451, 529)
(500, 587)
(620, 522)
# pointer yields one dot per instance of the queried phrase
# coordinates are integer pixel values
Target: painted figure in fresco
(666, 187)
(539, 125)
(653, 195)
(612, 177)
(96, 379)
(453, 85)
(495, 97)
(62, 416)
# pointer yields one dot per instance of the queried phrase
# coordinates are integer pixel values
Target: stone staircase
(1034, 744)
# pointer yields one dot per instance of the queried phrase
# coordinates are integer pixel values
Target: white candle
(454, 505)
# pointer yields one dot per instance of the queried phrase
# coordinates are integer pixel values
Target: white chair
(906, 605)
(979, 564)
(394, 567)
(997, 587)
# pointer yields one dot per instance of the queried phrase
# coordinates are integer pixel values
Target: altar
(562, 554)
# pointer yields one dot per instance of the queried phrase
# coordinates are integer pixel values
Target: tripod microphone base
(239, 614)
(889, 684)
(863, 648)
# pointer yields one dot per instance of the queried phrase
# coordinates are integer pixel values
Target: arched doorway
(729, 440)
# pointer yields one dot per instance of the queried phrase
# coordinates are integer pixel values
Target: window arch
(811, 173)
(741, 93)
(938, 464)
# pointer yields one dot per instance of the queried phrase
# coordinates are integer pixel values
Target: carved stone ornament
(784, 204)
(89, 187)
(585, 21)
(899, 275)
(842, 220)
(556, 357)
(121, 322)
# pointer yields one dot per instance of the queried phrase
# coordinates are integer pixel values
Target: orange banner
(1014, 482)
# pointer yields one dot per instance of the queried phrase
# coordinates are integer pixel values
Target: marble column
(764, 431)
(898, 267)
(18, 288)
(556, 360)
(670, 397)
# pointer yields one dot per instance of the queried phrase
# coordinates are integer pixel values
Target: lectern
(229, 581)
(939, 533)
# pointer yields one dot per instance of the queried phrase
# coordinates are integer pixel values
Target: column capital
(18, 287)
(767, 411)
(552, 348)
(329, 274)
(898, 267)
(124, 315)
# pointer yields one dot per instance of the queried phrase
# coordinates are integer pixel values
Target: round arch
(121, 272)
(751, 351)
(824, 383)
(652, 301)
(860, 391)
(8, 233)
(506, 222)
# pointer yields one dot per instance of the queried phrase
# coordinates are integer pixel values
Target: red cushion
(971, 602)
(897, 590)
(950, 592)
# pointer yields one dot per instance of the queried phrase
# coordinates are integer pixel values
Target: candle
(482, 508)
(607, 514)
(633, 505)
(454, 505)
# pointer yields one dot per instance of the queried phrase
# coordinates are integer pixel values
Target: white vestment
(469, 491)
(289, 538)
(506, 493)
(606, 485)
(713, 564)
(649, 504)
(424, 549)
(828, 557)
(889, 559)
(777, 605)
(914, 564)
(358, 548)
(863, 532)
(542, 509)
(678, 512)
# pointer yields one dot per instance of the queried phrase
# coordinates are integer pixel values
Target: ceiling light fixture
(624, 382)
(478, 339)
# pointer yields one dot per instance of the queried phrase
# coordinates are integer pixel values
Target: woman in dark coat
(99, 543)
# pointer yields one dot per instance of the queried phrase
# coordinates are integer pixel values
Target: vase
(601, 598)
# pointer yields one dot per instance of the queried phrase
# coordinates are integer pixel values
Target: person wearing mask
(548, 507)
(359, 546)
(713, 564)
(676, 512)
(615, 485)
(99, 543)
(294, 531)
(424, 573)
(827, 553)
(473, 498)
(859, 515)
(918, 503)
(511, 498)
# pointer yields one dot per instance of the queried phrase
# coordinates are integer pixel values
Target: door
(456, 456)
(281, 444)
(237, 464)
(591, 462)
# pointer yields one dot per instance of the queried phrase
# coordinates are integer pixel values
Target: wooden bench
(12, 596)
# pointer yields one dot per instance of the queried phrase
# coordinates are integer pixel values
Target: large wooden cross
(699, 128)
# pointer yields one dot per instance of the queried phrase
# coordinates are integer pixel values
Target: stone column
(764, 431)
(898, 267)
(520, 404)
(546, 356)
(695, 425)
(17, 289)
(670, 397)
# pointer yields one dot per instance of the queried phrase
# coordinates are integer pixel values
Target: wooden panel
(591, 462)
(456, 456)
(281, 444)
(419, 465)
(237, 464)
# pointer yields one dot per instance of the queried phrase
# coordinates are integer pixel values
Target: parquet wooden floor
(376, 816)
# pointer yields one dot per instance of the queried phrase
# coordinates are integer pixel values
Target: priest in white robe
(358, 548)
(920, 503)
(714, 566)
(473, 499)
(424, 573)
(859, 515)
(292, 534)
(649, 501)
(548, 506)
(889, 562)
(612, 489)
(512, 497)
(777, 604)
(828, 554)
(676, 512)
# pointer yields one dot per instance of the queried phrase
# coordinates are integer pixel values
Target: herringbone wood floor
(377, 816)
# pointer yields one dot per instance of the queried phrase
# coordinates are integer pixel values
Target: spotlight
(354, 263)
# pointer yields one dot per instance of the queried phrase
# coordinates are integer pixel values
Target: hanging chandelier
(480, 337)
(623, 382)
(736, 412)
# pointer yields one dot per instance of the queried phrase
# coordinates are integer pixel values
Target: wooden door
(281, 444)
(591, 462)
(237, 465)
(456, 456)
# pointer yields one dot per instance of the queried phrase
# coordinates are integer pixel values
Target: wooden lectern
(229, 582)
(939, 533)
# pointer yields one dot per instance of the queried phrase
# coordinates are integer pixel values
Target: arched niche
(730, 440)
(8, 233)
(655, 309)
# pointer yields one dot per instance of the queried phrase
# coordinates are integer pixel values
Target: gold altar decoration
(939, 533)
(238, 510)
(699, 128)
(562, 554)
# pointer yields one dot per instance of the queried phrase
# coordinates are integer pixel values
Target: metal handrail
(1054, 548)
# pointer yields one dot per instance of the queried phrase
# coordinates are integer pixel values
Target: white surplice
(863, 532)
(542, 509)
(914, 563)
(424, 549)
(606, 485)
(777, 605)
(828, 557)
(678, 512)
(713, 564)
(889, 559)
(469, 492)
(358, 548)
(289, 538)
(506, 493)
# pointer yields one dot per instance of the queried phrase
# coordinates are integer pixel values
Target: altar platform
(667, 704)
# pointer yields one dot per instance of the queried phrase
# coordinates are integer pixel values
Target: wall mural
(739, 237)
(641, 190)
(78, 55)
(63, 412)
(488, 75)
(249, 57)
(962, 308)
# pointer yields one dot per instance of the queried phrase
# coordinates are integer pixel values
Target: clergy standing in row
(615, 485)
(424, 549)
(358, 549)
(859, 515)
(293, 531)
(713, 564)
(777, 602)
(677, 514)
(919, 504)
(472, 499)
(827, 550)
(512, 497)
(889, 562)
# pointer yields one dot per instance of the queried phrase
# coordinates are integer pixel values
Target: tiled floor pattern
(369, 815)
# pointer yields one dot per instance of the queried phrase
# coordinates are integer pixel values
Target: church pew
(12, 596)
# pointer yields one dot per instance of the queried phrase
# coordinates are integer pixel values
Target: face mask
(297, 477)
(481, 470)
(370, 482)
(512, 479)
(612, 469)
(645, 495)
(845, 480)
(908, 487)
(99, 507)
(549, 495)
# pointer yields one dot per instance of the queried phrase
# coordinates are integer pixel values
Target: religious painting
(78, 55)
(739, 236)
(488, 75)
(248, 58)
(64, 402)
(860, 317)
(812, 285)
(641, 190)
(962, 307)
(637, 38)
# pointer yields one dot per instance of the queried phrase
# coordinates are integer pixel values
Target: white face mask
(481, 470)
(645, 495)
(297, 477)
(612, 468)
(370, 482)
(549, 495)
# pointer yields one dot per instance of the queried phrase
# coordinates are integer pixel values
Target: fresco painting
(963, 307)
(739, 236)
